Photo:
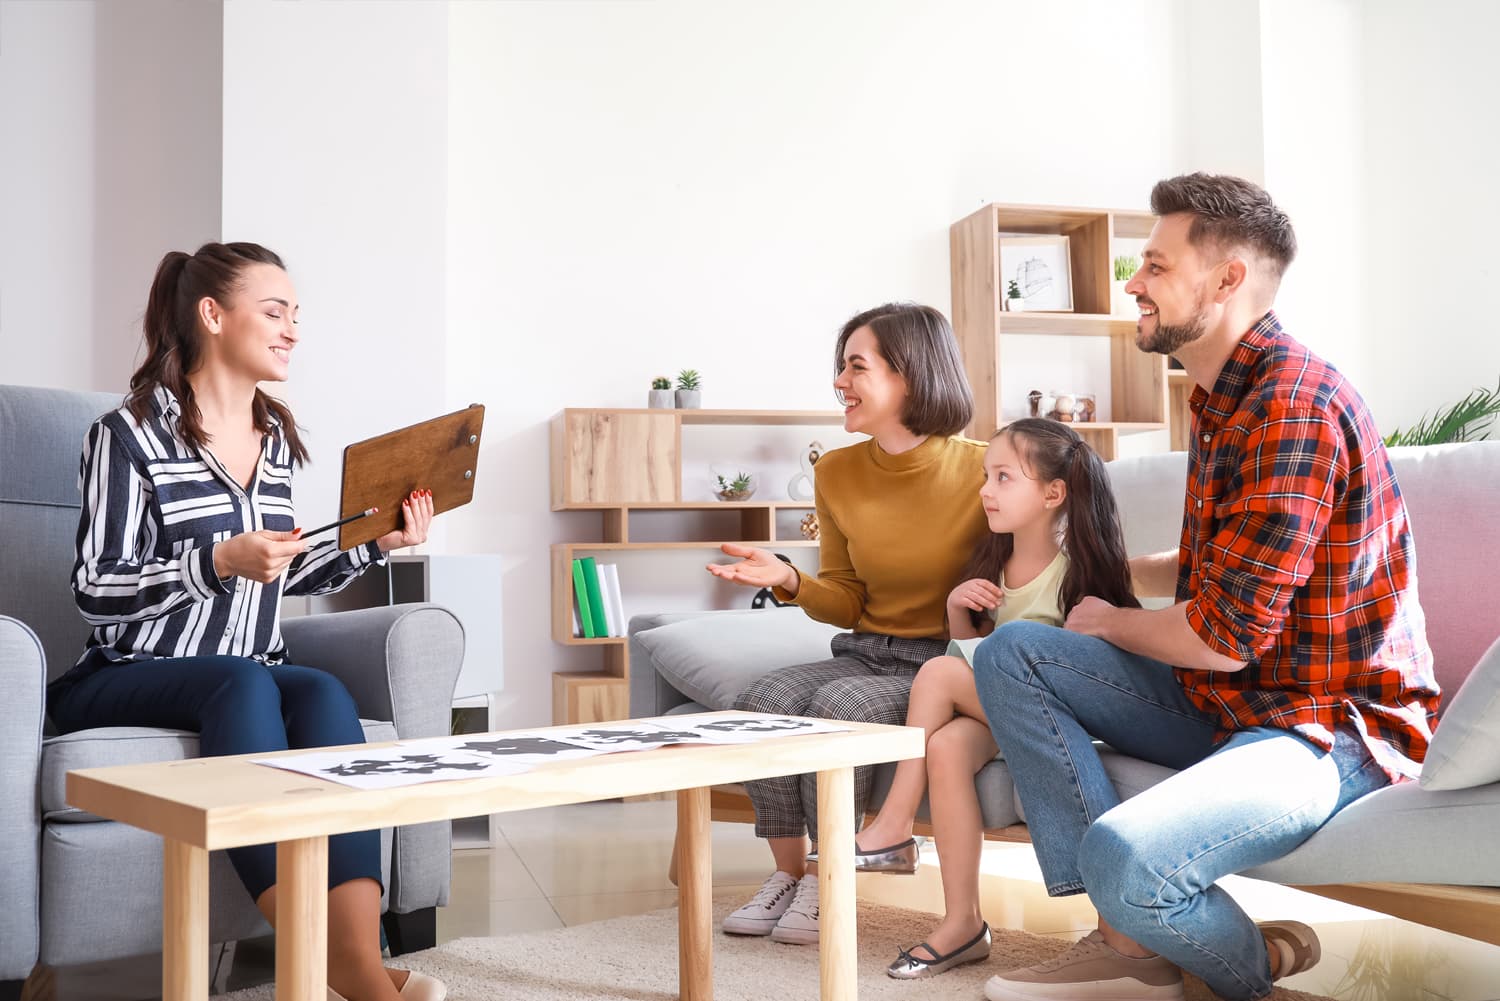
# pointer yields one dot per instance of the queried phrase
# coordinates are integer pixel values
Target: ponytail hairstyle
(174, 346)
(1092, 537)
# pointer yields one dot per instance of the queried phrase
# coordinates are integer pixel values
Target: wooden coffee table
(204, 804)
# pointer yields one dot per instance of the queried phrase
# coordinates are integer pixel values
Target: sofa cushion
(1465, 751)
(711, 659)
(126, 745)
(1400, 834)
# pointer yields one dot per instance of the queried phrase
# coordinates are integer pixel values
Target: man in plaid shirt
(1292, 675)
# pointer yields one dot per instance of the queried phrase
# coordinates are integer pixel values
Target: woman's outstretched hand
(756, 568)
(259, 556)
(416, 519)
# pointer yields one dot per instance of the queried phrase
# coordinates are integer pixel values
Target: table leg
(837, 944)
(302, 920)
(184, 930)
(695, 897)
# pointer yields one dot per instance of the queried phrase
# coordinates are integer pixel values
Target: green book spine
(581, 590)
(596, 596)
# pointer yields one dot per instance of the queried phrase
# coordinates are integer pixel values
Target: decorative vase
(689, 399)
(662, 399)
(1016, 304)
(736, 495)
(1121, 303)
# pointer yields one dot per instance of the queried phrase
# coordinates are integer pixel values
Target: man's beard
(1169, 337)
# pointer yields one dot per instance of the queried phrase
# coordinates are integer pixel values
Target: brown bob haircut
(918, 344)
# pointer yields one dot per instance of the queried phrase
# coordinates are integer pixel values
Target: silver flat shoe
(909, 967)
(902, 858)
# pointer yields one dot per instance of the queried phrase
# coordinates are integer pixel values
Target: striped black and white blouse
(153, 507)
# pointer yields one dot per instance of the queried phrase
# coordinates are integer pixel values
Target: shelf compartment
(1067, 324)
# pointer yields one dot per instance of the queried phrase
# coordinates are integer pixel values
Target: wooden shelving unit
(1179, 417)
(618, 461)
(1138, 381)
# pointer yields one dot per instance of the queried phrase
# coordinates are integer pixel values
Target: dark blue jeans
(237, 706)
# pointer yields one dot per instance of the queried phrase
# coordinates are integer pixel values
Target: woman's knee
(308, 689)
(245, 685)
(858, 700)
(776, 692)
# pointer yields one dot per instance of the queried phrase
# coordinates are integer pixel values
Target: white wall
(638, 188)
(1430, 203)
(158, 147)
(1311, 85)
(334, 154)
(46, 192)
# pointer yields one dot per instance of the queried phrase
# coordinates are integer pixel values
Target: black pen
(341, 521)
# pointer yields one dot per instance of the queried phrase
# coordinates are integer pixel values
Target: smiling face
(873, 393)
(1013, 500)
(1172, 288)
(255, 331)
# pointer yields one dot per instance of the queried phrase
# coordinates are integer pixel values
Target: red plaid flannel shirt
(1297, 558)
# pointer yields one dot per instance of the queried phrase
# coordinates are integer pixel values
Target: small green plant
(661, 382)
(688, 379)
(1125, 266)
(1467, 420)
(740, 484)
(1012, 289)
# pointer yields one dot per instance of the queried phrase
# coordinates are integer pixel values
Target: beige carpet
(635, 959)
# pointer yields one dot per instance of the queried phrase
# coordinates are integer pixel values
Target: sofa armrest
(401, 663)
(23, 679)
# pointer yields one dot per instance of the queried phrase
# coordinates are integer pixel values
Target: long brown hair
(174, 344)
(1092, 537)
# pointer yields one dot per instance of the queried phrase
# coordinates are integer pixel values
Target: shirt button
(1207, 437)
(1200, 507)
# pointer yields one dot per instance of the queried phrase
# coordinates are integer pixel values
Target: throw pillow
(712, 658)
(1465, 751)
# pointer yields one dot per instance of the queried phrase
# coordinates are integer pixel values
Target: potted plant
(740, 487)
(1013, 301)
(688, 395)
(661, 396)
(1120, 302)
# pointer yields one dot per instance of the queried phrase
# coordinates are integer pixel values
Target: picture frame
(1042, 267)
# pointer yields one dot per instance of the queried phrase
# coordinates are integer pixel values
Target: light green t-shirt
(1039, 600)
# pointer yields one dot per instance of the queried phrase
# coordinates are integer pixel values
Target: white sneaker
(760, 915)
(799, 925)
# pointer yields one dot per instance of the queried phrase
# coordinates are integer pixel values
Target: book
(581, 592)
(596, 597)
(609, 583)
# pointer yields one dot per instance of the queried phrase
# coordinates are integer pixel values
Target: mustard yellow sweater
(896, 532)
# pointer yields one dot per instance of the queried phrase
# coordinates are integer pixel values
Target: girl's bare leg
(954, 754)
(941, 687)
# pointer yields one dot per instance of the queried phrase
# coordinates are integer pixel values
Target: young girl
(1055, 539)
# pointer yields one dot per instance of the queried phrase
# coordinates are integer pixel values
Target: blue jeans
(1149, 864)
(237, 706)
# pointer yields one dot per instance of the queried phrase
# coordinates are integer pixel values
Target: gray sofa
(75, 888)
(1419, 852)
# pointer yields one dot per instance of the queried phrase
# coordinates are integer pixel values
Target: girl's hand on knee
(978, 595)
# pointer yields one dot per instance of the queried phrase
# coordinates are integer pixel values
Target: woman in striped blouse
(186, 544)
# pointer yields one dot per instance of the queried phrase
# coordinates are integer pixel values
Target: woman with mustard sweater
(898, 522)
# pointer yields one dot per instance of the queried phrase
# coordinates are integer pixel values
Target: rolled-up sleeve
(1268, 521)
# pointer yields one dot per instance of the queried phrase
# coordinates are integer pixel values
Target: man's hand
(1092, 617)
(259, 556)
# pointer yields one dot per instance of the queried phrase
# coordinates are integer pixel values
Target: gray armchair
(75, 888)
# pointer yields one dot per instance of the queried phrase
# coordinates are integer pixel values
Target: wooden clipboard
(441, 455)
